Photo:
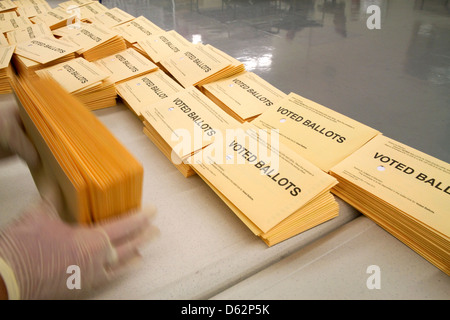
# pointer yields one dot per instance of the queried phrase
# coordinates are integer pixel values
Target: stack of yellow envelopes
(84, 80)
(321, 135)
(137, 29)
(145, 90)
(125, 65)
(95, 40)
(98, 177)
(244, 96)
(200, 64)
(273, 190)
(6, 53)
(42, 52)
(185, 123)
(405, 191)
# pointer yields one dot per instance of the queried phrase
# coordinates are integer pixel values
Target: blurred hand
(38, 248)
(13, 139)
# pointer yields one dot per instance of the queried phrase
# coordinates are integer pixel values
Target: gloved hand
(13, 139)
(37, 249)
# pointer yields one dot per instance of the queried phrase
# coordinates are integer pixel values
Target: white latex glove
(37, 249)
(13, 139)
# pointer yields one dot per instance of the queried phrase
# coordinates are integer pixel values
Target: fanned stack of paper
(95, 40)
(13, 23)
(137, 29)
(7, 6)
(146, 90)
(273, 190)
(55, 18)
(244, 96)
(85, 81)
(184, 124)
(6, 53)
(86, 11)
(72, 4)
(29, 32)
(42, 52)
(319, 134)
(97, 176)
(112, 17)
(161, 46)
(27, 3)
(200, 64)
(29, 11)
(126, 65)
(405, 191)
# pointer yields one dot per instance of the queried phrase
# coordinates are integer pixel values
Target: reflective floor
(395, 79)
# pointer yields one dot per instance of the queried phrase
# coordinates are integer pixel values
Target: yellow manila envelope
(126, 65)
(191, 66)
(7, 5)
(33, 10)
(188, 121)
(90, 10)
(75, 75)
(404, 190)
(87, 36)
(272, 189)
(112, 17)
(29, 32)
(137, 29)
(25, 3)
(6, 53)
(319, 134)
(245, 96)
(3, 41)
(4, 16)
(45, 49)
(75, 3)
(11, 24)
(54, 18)
(147, 89)
(234, 66)
(163, 45)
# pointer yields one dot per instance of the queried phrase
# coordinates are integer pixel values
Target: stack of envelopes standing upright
(98, 177)
(6, 53)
